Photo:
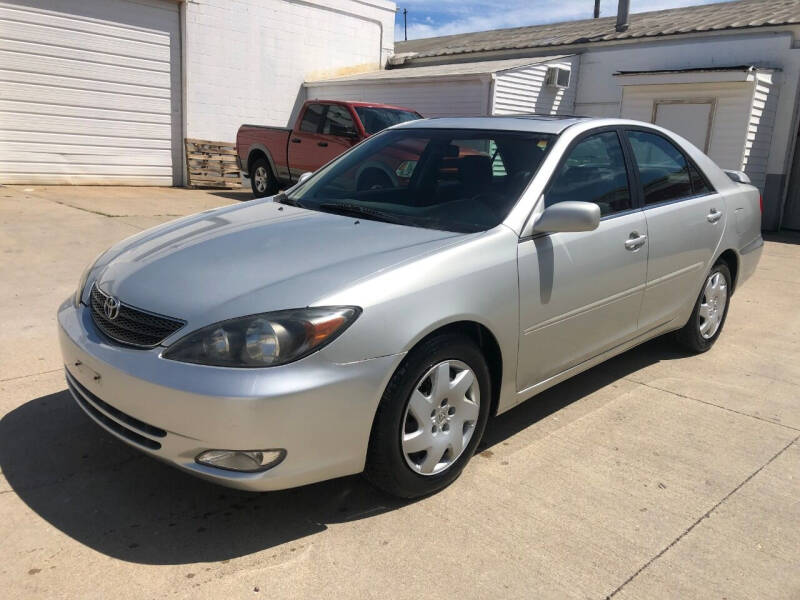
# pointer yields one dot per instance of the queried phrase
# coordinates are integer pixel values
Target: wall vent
(557, 77)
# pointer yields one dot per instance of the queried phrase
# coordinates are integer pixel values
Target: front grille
(131, 326)
(92, 405)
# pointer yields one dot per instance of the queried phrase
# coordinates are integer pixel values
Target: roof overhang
(454, 71)
(741, 73)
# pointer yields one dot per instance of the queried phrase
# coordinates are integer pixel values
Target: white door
(90, 92)
(689, 119)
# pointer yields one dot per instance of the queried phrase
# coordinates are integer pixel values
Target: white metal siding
(731, 113)
(522, 90)
(445, 98)
(90, 92)
(760, 128)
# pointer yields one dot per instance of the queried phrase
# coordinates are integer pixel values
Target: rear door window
(594, 171)
(700, 186)
(312, 118)
(663, 169)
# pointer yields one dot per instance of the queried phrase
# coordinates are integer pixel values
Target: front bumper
(319, 411)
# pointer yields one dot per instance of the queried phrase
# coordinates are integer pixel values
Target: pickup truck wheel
(261, 179)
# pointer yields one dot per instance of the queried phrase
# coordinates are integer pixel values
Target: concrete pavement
(654, 475)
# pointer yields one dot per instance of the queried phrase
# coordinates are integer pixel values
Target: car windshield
(453, 180)
(377, 119)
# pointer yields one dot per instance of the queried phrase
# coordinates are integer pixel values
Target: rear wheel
(430, 419)
(710, 311)
(262, 180)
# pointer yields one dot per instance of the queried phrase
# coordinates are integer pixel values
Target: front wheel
(710, 311)
(430, 419)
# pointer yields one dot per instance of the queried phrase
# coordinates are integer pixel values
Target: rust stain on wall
(341, 71)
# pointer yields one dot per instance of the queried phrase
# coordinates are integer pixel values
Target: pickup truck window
(376, 119)
(339, 122)
(312, 118)
(435, 178)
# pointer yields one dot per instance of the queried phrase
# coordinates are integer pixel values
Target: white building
(105, 91)
(723, 75)
(478, 88)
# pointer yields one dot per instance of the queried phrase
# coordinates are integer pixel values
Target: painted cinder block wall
(245, 61)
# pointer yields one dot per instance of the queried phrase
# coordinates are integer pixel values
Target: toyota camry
(338, 328)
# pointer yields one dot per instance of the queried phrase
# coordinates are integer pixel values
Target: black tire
(386, 466)
(690, 336)
(262, 187)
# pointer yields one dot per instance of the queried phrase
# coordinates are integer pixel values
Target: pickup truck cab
(275, 157)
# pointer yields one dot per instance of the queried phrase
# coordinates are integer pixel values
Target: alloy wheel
(712, 305)
(440, 417)
(260, 177)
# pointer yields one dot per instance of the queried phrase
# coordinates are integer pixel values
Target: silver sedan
(340, 328)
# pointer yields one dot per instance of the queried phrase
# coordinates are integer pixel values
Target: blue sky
(429, 18)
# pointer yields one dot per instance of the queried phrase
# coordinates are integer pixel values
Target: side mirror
(568, 216)
(303, 177)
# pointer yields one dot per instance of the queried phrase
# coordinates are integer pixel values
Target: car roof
(533, 123)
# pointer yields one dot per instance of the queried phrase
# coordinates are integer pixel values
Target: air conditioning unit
(557, 77)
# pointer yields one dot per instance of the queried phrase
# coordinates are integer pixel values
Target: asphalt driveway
(654, 475)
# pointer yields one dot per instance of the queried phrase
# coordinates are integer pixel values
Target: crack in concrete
(29, 375)
(702, 518)
(109, 215)
(744, 414)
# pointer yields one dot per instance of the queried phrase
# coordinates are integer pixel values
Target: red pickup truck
(273, 157)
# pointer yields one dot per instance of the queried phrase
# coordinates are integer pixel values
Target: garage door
(90, 92)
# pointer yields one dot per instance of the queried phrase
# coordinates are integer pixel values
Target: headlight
(84, 277)
(264, 340)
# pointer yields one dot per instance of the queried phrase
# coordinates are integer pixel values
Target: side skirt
(537, 388)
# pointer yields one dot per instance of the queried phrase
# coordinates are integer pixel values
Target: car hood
(252, 258)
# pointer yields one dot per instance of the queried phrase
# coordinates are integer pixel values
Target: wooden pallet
(212, 164)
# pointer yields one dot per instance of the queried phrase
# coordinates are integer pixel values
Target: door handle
(714, 215)
(635, 242)
(296, 140)
(323, 144)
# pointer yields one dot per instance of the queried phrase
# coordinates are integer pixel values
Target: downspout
(182, 21)
(353, 15)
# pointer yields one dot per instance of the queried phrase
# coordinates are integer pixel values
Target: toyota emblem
(111, 307)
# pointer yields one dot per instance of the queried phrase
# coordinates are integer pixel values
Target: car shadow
(241, 195)
(129, 506)
(785, 236)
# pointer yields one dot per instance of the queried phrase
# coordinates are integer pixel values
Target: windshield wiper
(284, 199)
(356, 210)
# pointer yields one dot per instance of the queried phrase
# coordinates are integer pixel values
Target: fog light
(247, 461)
